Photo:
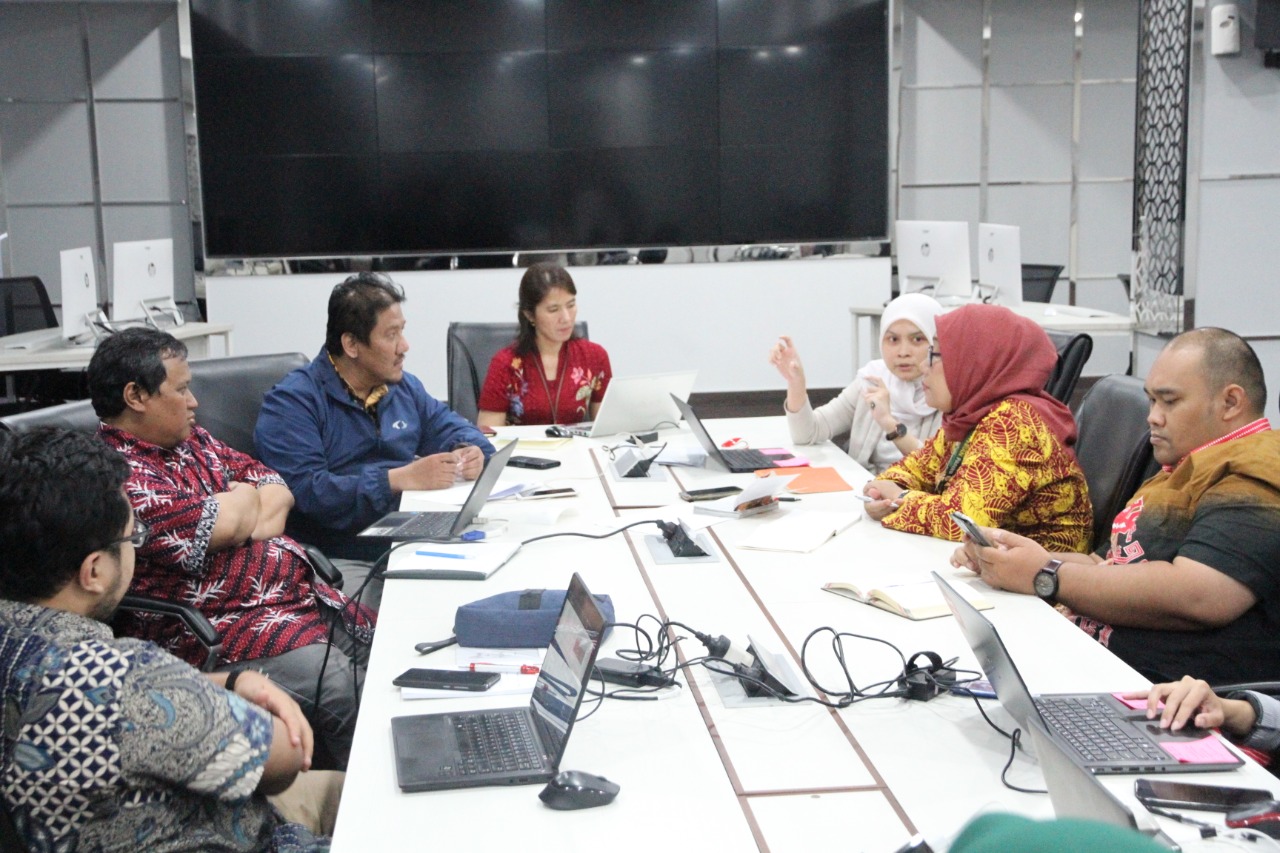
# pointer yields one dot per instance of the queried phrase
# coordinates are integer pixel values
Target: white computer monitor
(141, 270)
(1000, 262)
(79, 292)
(933, 257)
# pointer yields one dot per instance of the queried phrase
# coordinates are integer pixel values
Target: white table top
(697, 767)
(14, 358)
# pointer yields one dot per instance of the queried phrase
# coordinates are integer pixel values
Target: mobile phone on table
(540, 494)
(709, 494)
(532, 462)
(1190, 795)
(446, 679)
(970, 528)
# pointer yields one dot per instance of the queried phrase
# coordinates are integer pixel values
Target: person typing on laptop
(1249, 718)
(1190, 580)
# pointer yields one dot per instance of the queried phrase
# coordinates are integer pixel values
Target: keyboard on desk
(740, 458)
(428, 525)
(1090, 725)
(495, 742)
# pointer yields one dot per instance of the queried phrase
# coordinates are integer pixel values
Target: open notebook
(906, 595)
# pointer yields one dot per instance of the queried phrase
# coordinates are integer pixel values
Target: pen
(446, 556)
(522, 669)
(789, 500)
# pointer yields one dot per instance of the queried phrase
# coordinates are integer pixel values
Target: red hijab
(989, 355)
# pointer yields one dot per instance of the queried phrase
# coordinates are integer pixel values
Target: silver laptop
(507, 746)
(638, 404)
(736, 460)
(1097, 730)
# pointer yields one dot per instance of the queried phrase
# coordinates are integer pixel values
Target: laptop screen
(698, 430)
(566, 668)
(484, 485)
(1073, 790)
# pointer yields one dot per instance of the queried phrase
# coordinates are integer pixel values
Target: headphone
(922, 682)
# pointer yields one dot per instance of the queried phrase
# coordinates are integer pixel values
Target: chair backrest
(1038, 281)
(1073, 352)
(78, 416)
(230, 392)
(1114, 447)
(470, 348)
(25, 306)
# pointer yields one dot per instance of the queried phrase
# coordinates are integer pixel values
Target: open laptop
(1097, 730)
(443, 525)
(638, 404)
(735, 461)
(1075, 792)
(507, 746)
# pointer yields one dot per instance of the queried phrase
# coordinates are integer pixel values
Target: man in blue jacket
(352, 430)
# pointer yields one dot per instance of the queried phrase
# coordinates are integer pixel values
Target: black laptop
(443, 525)
(507, 746)
(735, 461)
(1097, 730)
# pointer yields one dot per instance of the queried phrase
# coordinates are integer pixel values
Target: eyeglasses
(137, 538)
(933, 356)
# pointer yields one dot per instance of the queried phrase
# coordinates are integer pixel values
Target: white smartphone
(970, 528)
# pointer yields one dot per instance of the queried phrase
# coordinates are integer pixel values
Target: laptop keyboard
(748, 458)
(1089, 725)
(495, 743)
(428, 525)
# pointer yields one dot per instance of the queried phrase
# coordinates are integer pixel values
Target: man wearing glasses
(112, 743)
(217, 519)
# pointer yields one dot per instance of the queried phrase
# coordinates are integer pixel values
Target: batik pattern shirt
(1013, 473)
(114, 745)
(262, 596)
(515, 384)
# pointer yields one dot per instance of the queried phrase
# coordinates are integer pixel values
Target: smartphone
(709, 494)
(540, 494)
(446, 679)
(1188, 795)
(970, 528)
(532, 462)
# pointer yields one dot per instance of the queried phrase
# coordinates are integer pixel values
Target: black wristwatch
(1046, 581)
(898, 432)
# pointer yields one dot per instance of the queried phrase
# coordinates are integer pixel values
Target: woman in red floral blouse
(548, 376)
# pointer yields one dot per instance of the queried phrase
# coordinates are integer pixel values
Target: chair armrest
(324, 567)
(194, 620)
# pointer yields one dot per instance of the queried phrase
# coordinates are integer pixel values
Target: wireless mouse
(573, 789)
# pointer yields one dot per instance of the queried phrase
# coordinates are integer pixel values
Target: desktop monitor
(141, 270)
(933, 257)
(79, 291)
(1000, 262)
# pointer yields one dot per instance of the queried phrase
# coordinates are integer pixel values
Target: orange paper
(815, 480)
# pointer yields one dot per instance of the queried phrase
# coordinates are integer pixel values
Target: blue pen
(446, 556)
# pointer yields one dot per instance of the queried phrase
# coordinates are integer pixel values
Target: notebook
(1099, 731)
(638, 404)
(1075, 792)
(909, 597)
(733, 461)
(443, 525)
(507, 746)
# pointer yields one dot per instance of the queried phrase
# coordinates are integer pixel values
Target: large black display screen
(341, 127)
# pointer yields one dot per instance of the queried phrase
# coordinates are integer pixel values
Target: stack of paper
(801, 531)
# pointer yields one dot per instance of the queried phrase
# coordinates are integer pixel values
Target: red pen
(522, 669)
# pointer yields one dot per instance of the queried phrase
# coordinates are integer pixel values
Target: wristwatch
(1045, 582)
(898, 432)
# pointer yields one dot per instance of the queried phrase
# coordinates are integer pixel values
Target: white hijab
(906, 399)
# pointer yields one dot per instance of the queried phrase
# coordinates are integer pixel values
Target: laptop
(507, 746)
(735, 461)
(1075, 792)
(443, 525)
(638, 404)
(1097, 730)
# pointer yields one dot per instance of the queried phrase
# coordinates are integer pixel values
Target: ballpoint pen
(521, 668)
(445, 555)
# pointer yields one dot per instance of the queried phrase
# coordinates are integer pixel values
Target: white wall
(718, 318)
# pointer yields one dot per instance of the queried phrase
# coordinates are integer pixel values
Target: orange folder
(811, 481)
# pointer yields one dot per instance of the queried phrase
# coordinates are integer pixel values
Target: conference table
(705, 767)
(203, 340)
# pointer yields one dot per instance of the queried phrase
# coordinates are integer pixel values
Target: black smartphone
(446, 679)
(532, 462)
(1189, 795)
(540, 494)
(709, 494)
(970, 528)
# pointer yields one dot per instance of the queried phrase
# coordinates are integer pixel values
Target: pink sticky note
(1207, 750)
(1135, 704)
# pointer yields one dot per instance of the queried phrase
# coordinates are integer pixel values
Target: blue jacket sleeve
(442, 428)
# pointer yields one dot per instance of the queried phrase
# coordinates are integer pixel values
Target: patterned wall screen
(1160, 164)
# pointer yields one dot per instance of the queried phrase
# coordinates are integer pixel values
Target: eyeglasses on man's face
(137, 538)
(934, 355)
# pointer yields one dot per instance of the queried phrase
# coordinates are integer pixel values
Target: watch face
(1044, 584)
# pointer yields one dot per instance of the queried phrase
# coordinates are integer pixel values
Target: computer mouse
(573, 789)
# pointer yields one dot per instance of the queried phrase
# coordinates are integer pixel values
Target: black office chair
(1038, 281)
(25, 307)
(1073, 352)
(1114, 447)
(470, 348)
(230, 392)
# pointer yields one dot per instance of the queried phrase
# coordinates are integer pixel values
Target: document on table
(801, 530)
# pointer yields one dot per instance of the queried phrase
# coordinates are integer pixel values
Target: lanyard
(953, 464)
(554, 402)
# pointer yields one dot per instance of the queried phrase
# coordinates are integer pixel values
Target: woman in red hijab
(1003, 456)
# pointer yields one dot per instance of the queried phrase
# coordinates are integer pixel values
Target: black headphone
(922, 683)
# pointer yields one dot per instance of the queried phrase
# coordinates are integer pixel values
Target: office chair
(230, 392)
(25, 307)
(470, 348)
(1073, 352)
(1114, 447)
(1038, 281)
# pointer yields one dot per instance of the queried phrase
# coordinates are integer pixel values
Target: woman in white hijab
(884, 409)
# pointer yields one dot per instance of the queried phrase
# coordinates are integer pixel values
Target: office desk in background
(697, 770)
(203, 340)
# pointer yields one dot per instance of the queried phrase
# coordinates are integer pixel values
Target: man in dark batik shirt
(217, 518)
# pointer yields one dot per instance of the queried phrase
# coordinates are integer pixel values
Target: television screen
(338, 127)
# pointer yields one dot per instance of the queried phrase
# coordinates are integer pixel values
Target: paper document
(449, 561)
(801, 531)
(758, 494)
